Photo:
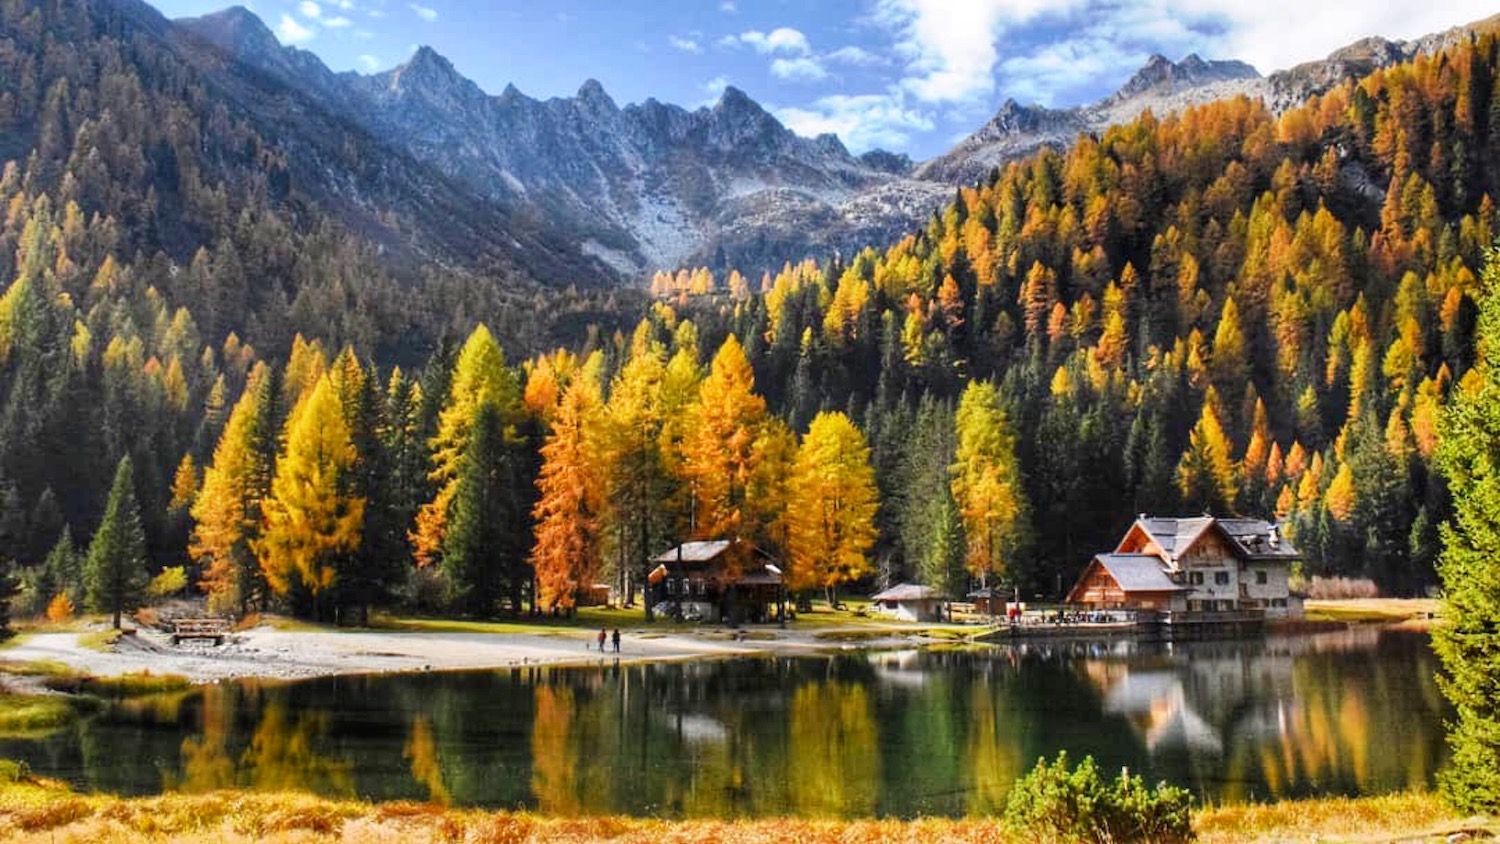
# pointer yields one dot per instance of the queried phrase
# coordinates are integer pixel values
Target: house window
(1278, 602)
(672, 586)
(1221, 578)
(1195, 578)
(1260, 578)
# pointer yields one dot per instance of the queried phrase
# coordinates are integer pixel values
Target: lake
(857, 733)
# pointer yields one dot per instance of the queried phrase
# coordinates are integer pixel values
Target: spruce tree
(115, 570)
(8, 590)
(478, 519)
(1469, 642)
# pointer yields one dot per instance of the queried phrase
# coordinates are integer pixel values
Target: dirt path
(270, 653)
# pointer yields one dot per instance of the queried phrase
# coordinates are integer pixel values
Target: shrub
(171, 581)
(1341, 588)
(1054, 803)
(60, 609)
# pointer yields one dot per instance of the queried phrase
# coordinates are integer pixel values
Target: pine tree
(480, 376)
(474, 545)
(64, 570)
(1468, 452)
(832, 522)
(931, 531)
(311, 520)
(986, 481)
(115, 570)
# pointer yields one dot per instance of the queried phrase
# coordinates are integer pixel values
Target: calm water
(893, 733)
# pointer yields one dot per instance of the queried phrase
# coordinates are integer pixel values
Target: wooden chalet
(1194, 564)
(910, 602)
(717, 580)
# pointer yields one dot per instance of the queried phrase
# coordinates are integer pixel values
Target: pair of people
(604, 636)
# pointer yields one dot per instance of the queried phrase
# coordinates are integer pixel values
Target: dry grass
(1371, 609)
(26, 715)
(34, 810)
(1406, 816)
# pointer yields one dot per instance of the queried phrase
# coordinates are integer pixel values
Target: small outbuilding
(910, 602)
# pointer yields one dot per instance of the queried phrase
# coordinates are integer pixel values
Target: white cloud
(728, 7)
(783, 40)
(801, 69)
(862, 121)
(856, 56)
(716, 85)
(337, 22)
(686, 45)
(290, 31)
(368, 62)
(309, 9)
(426, 13)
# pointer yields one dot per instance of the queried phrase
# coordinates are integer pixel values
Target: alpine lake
(852, 733)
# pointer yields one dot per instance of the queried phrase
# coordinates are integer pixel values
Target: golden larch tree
(833, 499)
(566, 556)
(718, 448)
(986, 480)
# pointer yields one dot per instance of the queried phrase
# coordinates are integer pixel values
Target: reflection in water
(894, 733)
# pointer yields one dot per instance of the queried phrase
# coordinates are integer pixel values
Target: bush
(171, 581)
(1053, 803)
(60, 609)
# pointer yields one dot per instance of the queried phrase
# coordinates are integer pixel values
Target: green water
(854, 734)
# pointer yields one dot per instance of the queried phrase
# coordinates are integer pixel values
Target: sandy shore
(266, 652)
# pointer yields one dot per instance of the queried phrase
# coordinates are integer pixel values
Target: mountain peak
(429, 73)
(592, 94)
(1161, 72)
(236, 30)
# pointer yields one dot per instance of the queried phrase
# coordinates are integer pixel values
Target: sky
(910, 76)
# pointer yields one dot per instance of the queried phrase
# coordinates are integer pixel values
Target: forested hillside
(1222, 310)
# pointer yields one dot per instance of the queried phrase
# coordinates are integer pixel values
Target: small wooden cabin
(717, 580)
(1127, 581)
(910, 602)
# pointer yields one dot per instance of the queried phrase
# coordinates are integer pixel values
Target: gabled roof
(694, 552)
(1137, 572)
(907, 592)
(1174, 535)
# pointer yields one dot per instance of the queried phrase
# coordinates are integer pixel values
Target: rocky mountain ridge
(627, 190)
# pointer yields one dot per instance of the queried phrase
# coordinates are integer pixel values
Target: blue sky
(907, 75)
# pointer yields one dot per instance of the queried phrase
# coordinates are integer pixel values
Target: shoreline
(266, 653)
(277, 649)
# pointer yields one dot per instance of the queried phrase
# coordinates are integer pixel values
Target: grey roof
(1174, 535)
(907, 592)
(1138, 572)
(693, 552)
(765, 576)
(1259, 539)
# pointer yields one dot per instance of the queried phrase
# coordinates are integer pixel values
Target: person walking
(616, 638)
(602, 637)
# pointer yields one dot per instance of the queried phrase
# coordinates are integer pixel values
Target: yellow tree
(833, 503)
(986, 481)
(1206, 472)
(226, 510)
(309, 520)
(566, 554)
(479, 376)
(718, 449)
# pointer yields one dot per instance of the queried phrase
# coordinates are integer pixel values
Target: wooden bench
(200, 628)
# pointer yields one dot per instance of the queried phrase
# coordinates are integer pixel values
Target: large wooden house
(1196, 564)
(717, 580)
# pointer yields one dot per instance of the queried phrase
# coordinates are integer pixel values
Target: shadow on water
(864, 733)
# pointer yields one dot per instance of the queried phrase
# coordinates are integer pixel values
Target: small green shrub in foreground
(1054, 803)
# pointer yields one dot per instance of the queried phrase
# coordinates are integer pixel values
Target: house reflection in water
(1287, 720)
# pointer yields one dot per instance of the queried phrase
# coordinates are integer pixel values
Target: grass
(33, 714)
(35, 810)
(1371, 609)
(120, 685)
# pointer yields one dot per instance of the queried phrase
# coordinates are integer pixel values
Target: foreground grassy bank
(33, 810)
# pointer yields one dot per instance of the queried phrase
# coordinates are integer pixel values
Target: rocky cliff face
(624, 191)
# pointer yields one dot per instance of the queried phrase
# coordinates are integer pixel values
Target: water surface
(855, 734)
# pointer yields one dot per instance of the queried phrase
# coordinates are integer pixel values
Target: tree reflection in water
(885, 733)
